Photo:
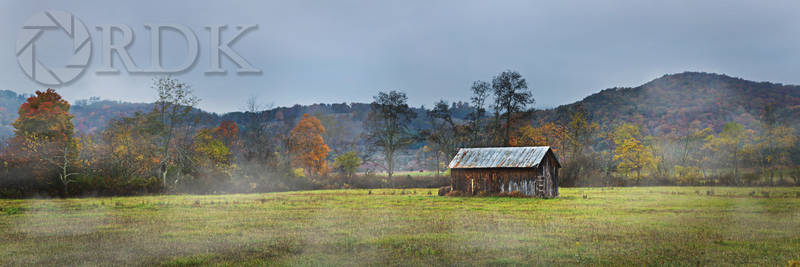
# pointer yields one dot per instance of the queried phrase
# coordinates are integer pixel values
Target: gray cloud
(343, 51)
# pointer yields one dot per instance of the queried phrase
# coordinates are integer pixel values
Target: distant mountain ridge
(667, 104)
(686, 100)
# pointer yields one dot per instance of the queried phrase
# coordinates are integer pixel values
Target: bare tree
(511, 96)
(387, 125)
(60, 155)
(444, 134)
(480, 92)
(258, 145)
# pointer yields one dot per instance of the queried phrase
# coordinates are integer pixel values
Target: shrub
(298, 172)
(10, 193)
(444, 190)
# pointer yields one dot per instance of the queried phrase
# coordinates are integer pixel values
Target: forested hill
(686, 100)
(666, 104)
(9, 103)
(91, 115)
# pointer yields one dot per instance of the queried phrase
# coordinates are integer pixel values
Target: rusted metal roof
(499, 157)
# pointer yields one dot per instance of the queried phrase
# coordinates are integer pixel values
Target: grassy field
(611, 226)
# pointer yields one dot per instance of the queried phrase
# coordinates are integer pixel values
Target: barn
(530, 170)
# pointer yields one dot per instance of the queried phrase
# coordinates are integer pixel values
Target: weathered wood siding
(541, 181)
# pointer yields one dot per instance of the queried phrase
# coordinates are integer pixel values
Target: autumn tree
(44, 136)
(173, 106)
(774, 144)
(731, 147)
(511, 96)
(785, 139)
(228, 132)
(663, 150)
(307, 147)
(578, 154)
(579, 134)
(45, 114)
(631, 153)
(129, 146)
(387, 125)
(549, 134)
(690, 166)
(348, 163)
(767, 143)
(210, 151)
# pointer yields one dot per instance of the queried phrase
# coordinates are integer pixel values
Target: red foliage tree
(228, 131)
(43, 137)
(46, 114)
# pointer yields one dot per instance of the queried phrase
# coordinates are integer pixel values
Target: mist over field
(609, 226)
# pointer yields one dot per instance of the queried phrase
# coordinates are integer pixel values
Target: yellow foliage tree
(774, 146)
(730, 147)
(630, 152)
(211, 151)
(307, 147)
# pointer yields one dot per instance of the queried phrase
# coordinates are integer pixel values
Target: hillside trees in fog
(172, 147)
(729, 149)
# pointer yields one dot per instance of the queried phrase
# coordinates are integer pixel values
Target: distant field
(413, 173)
(619, 226)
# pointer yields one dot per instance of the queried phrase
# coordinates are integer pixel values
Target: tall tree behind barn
(530, 170)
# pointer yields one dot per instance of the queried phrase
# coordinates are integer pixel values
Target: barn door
(540, 186)
(471, 186)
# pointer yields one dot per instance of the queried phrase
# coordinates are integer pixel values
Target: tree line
(172, 148)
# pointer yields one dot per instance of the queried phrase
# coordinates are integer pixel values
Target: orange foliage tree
(307, 147)
(43, 136)
(46, 114)
(549, 134)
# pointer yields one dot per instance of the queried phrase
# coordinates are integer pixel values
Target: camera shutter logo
(51, 21)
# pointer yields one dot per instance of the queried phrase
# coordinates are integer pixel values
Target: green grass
(612, 226)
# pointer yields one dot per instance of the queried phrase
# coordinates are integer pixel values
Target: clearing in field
(600, 226)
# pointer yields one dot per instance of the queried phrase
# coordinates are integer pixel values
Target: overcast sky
(346, 51)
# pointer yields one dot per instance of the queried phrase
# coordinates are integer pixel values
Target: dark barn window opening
(532, 171)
